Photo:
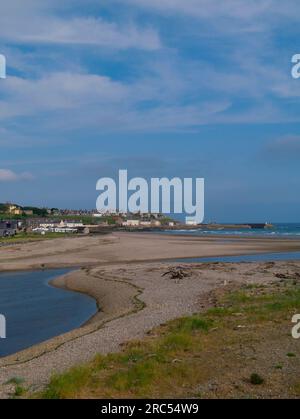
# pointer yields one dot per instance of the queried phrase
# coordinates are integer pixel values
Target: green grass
(258, 306)
(67, 383)
(176, 357)
(291, 355)
(15, 380)
(256, 379)
(19, 391)
(138, 366)
(24, 237)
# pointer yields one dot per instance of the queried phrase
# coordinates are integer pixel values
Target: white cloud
(38, 23)
(81, 31)
(58, 92)
(7, 175)
(171, 90)
(163, 100)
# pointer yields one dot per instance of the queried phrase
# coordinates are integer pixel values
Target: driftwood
(178, 272)
(288, 275)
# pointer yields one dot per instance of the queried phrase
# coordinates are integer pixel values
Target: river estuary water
(35, 311)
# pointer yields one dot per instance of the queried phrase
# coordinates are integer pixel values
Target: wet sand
(123, 272)
(119, 247)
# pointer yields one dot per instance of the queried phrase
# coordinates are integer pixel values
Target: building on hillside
(15, 210)
(28, 212)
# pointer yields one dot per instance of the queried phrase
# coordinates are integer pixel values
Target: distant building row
(8, 228)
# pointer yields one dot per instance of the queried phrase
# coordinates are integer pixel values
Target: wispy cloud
(179, 79)
(58, 92)
(48, 22)
(7, 175)
(80, 31)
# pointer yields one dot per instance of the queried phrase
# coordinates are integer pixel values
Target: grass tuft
(64, 385)
(256, 379)
(291, 355)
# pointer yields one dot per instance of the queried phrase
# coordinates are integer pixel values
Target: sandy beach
(124, 272)
(121, 247)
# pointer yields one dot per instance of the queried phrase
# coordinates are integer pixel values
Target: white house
(146, 223)
(191, 223)
(69, 224)
(131, 223)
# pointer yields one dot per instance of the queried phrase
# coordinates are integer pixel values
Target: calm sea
(278, 230)
(283, 230)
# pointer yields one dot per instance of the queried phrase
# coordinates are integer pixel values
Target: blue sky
(198, 88)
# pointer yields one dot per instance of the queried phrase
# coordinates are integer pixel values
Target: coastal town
(15, 219)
